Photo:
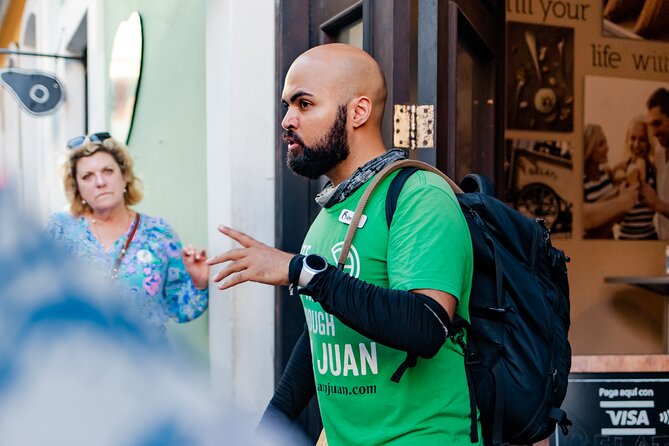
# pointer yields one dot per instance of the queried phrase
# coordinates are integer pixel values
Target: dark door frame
(444, 23)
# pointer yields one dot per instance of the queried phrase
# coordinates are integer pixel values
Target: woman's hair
(590, 138)
(649, 137)
(119, 152)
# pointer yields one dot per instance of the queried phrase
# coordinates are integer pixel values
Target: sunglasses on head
(79, 141)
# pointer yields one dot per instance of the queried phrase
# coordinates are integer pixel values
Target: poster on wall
(579, 147)
(621, 157)
(637, 19)
(539, 178)
(540, 73)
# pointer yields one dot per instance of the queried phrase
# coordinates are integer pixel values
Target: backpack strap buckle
(560, 417)
(410, 361)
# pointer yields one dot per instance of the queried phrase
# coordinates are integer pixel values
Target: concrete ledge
(619, 363)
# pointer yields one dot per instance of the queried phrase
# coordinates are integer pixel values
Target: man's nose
(289, 121)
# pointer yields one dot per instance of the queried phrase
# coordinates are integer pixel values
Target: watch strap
(294, 270)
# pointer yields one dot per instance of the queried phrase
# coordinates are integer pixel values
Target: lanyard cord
(117, 262)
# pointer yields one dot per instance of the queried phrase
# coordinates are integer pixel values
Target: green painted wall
(167, 139)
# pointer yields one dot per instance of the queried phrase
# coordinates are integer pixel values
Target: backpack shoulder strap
(474, 182)
(394, 191)
(470, 183)
(370, 189)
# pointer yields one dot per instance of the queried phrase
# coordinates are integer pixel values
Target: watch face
(315, 262)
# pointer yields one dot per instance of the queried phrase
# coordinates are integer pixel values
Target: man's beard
(330, 150)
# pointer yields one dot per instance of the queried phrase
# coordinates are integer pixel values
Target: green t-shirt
(427, 246)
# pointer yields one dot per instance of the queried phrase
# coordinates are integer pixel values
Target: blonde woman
(604, 203)
(638, 168)
(141, 252)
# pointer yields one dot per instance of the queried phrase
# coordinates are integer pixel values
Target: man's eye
(305, 104)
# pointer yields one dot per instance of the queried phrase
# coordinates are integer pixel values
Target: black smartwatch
(312, 265)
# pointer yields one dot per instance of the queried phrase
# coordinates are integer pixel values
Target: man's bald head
(334, 97)
(347, 70)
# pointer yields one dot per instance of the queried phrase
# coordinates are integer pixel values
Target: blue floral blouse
(152, 271)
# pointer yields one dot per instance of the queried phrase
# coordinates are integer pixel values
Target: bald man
(400, 287)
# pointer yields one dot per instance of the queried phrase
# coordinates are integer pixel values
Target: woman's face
(638, 140)
(100, 181)
(600, 149)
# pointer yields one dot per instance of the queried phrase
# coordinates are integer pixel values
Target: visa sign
(628, 417)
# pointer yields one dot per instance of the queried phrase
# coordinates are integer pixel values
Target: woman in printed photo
(604, 203)
(637, 168)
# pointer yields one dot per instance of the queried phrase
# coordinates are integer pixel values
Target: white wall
(240, 79)
(33, 144)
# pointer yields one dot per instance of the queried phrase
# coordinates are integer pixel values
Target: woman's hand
(610, 210)
(629, 196)
(196, 265)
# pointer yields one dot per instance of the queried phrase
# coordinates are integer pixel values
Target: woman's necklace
(98, 234)
(117, 262)
(124, 250)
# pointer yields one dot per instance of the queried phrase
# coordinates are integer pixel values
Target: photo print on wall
(540, 182)
(636, 19)
(540, 77)
(620, 157)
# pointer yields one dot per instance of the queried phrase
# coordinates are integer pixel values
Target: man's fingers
(233, 254)
(233, 267)
(233, 280)
(238, 236)
(218, 259)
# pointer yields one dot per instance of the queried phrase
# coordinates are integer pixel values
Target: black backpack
(517, 353)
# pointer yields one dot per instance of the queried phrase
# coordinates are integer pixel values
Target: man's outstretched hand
(254, 261)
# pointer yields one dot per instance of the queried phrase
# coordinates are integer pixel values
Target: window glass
(351, 34)
(474, 113)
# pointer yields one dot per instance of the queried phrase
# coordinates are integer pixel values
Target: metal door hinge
(413, 126)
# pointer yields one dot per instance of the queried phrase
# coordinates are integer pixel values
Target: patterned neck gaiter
(331, 195)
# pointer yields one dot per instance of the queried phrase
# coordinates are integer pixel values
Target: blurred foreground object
(77, 367)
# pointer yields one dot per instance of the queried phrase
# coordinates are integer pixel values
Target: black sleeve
(403, 320)
(296, 386)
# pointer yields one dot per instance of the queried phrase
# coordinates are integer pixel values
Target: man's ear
(361, 108)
